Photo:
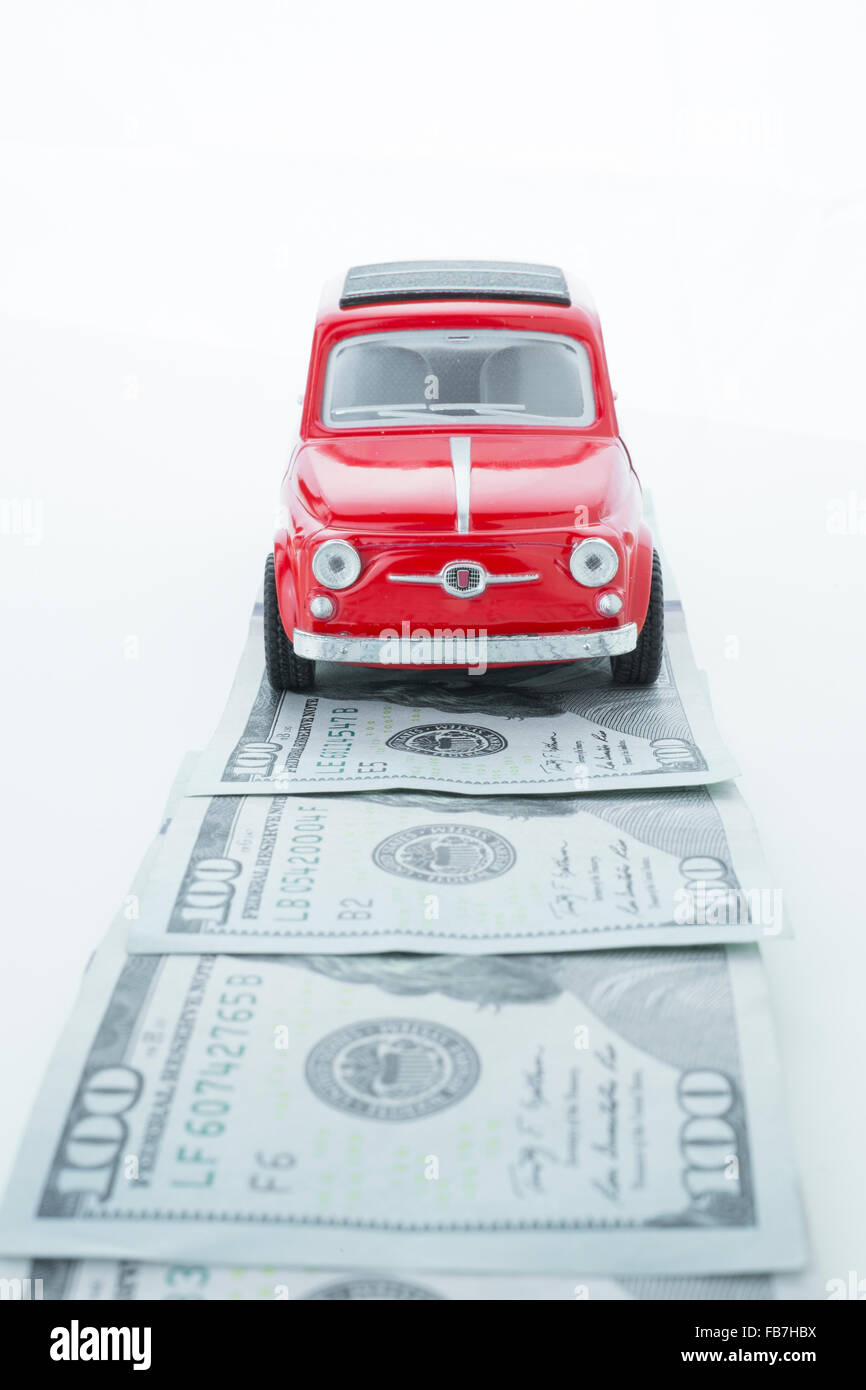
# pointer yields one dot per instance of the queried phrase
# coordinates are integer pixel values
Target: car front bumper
(424, 649)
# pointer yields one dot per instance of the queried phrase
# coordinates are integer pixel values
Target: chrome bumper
(465, 650)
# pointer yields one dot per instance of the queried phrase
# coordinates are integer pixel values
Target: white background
(179, 178)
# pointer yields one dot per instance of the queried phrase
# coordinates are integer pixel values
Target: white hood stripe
(461, 462)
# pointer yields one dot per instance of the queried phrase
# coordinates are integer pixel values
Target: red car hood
(406, 483)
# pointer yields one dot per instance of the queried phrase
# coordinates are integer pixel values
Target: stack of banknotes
(431, 986)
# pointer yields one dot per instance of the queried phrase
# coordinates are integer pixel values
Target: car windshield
(442, 376)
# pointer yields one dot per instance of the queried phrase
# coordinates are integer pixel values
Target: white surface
(180, 179)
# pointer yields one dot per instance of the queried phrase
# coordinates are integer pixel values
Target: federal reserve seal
(393, 1068)
(445, 854)
(372, 1288)
(449, 740)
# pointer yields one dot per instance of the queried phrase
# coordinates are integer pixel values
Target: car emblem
(463, 579)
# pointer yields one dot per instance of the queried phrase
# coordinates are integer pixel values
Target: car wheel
(642, 666)
(286, 671)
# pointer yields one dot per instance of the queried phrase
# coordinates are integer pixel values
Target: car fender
(287, 593)
(642, 567)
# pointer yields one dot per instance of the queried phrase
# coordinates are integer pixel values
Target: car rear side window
(445, 376)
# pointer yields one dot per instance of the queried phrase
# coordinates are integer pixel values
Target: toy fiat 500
(460, 471)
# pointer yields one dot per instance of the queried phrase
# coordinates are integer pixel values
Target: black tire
(642, 666)
(285, 670)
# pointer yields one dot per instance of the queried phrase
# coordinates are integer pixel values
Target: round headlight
(336, 564)
(593, 563)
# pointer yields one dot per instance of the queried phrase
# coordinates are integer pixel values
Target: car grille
(465, 578)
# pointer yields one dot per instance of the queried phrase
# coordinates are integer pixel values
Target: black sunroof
(392, 281)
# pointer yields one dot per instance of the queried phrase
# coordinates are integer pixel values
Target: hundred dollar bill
(517, 731)
(611, 1112)
(132, 1280)
(424, 871)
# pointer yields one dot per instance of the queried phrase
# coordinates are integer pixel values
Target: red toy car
(460, 471)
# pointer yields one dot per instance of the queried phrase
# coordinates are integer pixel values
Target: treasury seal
(393, 1068)
(445, 854)
(449, 740)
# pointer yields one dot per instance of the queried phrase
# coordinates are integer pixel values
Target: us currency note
(426, 871)
(514, 731)
(612, 1112)
(133, 1280)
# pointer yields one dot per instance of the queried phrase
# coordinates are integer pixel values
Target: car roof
(400, 282)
